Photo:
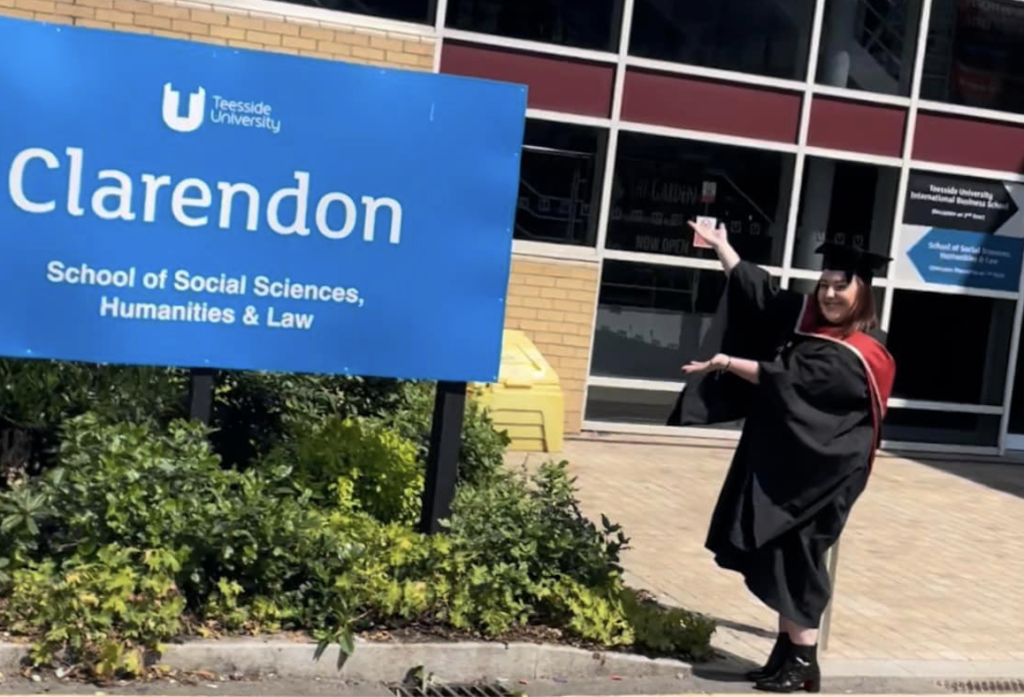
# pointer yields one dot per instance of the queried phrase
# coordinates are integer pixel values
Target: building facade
(897, 125)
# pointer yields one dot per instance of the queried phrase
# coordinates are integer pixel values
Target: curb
(391, 662)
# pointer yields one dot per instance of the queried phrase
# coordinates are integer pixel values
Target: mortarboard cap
(853, 261)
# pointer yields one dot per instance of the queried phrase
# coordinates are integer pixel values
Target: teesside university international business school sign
(169, 203)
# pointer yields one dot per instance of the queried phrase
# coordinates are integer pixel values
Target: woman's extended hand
(718, 363)
(714, 237)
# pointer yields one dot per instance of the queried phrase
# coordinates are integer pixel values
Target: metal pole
(833, 567)
(443, 458)
(200, 394)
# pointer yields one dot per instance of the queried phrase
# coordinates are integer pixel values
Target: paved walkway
(931, 567)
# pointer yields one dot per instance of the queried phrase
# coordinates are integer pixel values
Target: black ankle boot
(799, 671)
(775, 660)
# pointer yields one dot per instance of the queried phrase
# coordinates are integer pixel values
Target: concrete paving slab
(929, 572)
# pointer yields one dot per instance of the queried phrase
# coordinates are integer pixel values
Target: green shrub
(668, 631)
(36, 397)
(133, 483)
(483, 448)
(43, 394)
(151, 488)
(525, 547)
(139, 530)
(254, 412)
(104, 609)
(535, 521)
(246, 549)
(383, 468)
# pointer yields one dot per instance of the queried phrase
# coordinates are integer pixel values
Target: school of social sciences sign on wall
(171, 203)
(962, 231)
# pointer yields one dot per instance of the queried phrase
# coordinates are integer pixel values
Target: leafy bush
(296, 511)
(36, 397)
(43, 394)
(483, 447)
(254, 412)
(668, 631)
(109, 606)
(383, 468)
(534, 523)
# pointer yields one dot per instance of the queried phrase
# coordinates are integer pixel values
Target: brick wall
(215, 24)
(552, 302)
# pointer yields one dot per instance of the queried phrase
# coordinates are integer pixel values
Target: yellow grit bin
(527, 400)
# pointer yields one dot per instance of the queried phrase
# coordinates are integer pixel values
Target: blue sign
(970, 259)
(173, 203)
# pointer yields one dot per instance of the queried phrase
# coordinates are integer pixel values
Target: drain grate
(983, 687)
(450, 690)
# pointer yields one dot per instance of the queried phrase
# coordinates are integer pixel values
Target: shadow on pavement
(726, 668)
(1005, 476)
(745, 628)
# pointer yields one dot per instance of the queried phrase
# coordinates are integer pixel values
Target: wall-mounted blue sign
(962, 232)
(173, 203)
(954, 257)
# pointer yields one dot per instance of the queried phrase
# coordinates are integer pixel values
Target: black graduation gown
(806, 448)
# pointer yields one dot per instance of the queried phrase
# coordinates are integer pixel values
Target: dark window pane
(846, 202)
(948, 428)
(660, 183)
(560, 183)
(975, 54)
(950, 348)
(1016, 420)
(616, 404)
(592, 24)
(651, 319)
(869, 45)
(647, 407)
(420, 11)
(765, 37)
(808, 287)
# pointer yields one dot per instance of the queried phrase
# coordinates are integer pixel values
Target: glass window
(419, 11)
(660, 183)
(647, 407)
(975, 54)
(948, 428)
(950, 348)
(592, 24)
(869, 45)
(764, 37)
(651, 319)
(560, 183)
(622, 405)
(1016, 420)
(846, 202)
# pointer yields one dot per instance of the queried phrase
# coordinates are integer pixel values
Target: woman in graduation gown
(811, 377)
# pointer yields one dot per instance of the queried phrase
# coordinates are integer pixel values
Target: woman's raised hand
(714, 237)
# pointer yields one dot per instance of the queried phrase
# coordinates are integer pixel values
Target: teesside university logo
(193, 118)
(222, 112)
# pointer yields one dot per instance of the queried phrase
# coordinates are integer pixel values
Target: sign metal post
(443, 458)
(200, 394)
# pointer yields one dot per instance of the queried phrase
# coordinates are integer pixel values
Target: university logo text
(223, 111)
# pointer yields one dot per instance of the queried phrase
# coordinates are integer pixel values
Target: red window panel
(858, 127)
(679, 101)
(555, 83)
(968, 142)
